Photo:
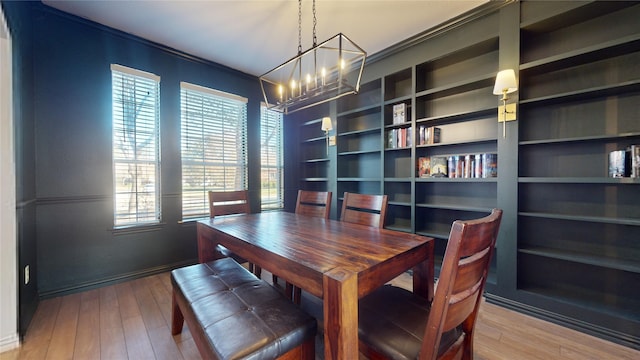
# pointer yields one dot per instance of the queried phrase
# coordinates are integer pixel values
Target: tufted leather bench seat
(234, 315)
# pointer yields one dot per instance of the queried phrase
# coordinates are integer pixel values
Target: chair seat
(397, 331)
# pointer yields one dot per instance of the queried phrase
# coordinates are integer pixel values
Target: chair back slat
(228, 202)
(364, 209)
(314, 203)
(462, 279)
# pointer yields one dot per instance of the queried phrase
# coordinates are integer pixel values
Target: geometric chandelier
(325, 72)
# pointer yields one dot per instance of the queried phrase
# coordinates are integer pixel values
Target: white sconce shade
(326, 124)
(505, 82)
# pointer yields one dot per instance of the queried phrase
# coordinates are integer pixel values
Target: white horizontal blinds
(136, 146)
(271, 174)
(214, 145)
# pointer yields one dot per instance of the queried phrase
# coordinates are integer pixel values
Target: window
(136, 146)
(272, 170)
(214, 145)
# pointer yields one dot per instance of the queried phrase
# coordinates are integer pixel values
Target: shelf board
(398, 148)
(446, 179)
(405, 124)
(315, 139)
(359, 132)
(584, 55)
(470, 83)
(315, 179)
(460, 115)
(592, 92)
(359, 152)
(435, 235)
(597, 219)
(399, 203)
(588, 259)
(315, 160)
(581, 139)
(360, 179)
(398, 179)
(402, 228)
(398, 100)
(462, 142)
(623, 308)
(455, 207)
(311, 122)
(579, 180)
(362, 109)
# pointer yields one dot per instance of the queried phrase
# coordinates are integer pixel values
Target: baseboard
(114, 280)
(571, 323)
(9, 342)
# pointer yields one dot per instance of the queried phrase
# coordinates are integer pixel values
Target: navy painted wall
(65, 113)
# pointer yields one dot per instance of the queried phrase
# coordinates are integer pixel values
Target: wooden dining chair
(229, 203)
(364, 209)
(397, 324)
(314, 203)
(310, 203)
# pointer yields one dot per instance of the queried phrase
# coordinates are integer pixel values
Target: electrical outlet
(26, 275)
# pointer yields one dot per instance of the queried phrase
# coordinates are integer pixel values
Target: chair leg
(294, 293)
(177, 318)
(297, 295)
(257, 270)
(274, 279)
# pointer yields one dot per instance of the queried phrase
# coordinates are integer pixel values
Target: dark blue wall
(63, 115)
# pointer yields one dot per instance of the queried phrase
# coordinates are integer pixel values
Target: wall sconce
(326, 127)
(505, 84)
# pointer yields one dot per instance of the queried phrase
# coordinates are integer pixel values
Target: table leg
(340, 314)
(424, 275)
(207, 245)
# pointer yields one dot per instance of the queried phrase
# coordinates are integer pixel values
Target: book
(422, 130)
(635, 161)
(477, 168)
(438, 166)
(432, 135)
(424, 166)
(399, 113)
(489, 165)
(617, 163)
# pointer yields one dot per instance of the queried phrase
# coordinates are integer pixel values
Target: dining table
(336, 261)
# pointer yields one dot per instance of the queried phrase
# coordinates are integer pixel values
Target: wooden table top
(301, 248)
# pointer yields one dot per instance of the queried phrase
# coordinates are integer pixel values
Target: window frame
(203, 125)
(144, 160)
(278, 164)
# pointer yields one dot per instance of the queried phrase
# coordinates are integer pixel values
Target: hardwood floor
(132, 320)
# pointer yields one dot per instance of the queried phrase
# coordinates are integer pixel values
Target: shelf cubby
(370, 95)
(398, 85)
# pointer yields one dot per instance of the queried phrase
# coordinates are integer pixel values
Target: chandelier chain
(299, 26)
(315, 21)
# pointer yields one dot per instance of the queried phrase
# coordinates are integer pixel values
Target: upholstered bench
(234, 315)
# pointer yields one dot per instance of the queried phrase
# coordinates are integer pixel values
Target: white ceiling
(254, 36)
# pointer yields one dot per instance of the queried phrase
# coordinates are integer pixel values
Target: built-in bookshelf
(359, 125)
(579, 100)
(314, 156)
(568, 249)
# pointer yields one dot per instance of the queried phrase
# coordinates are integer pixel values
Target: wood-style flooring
(132, 320)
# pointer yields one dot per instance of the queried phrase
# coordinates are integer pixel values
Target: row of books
(399, 138)
(625, 163)
(428, 135)
(459, 166)
(402, 137)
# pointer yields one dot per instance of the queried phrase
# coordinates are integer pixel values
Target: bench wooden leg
(177, 319)
(306, 351)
